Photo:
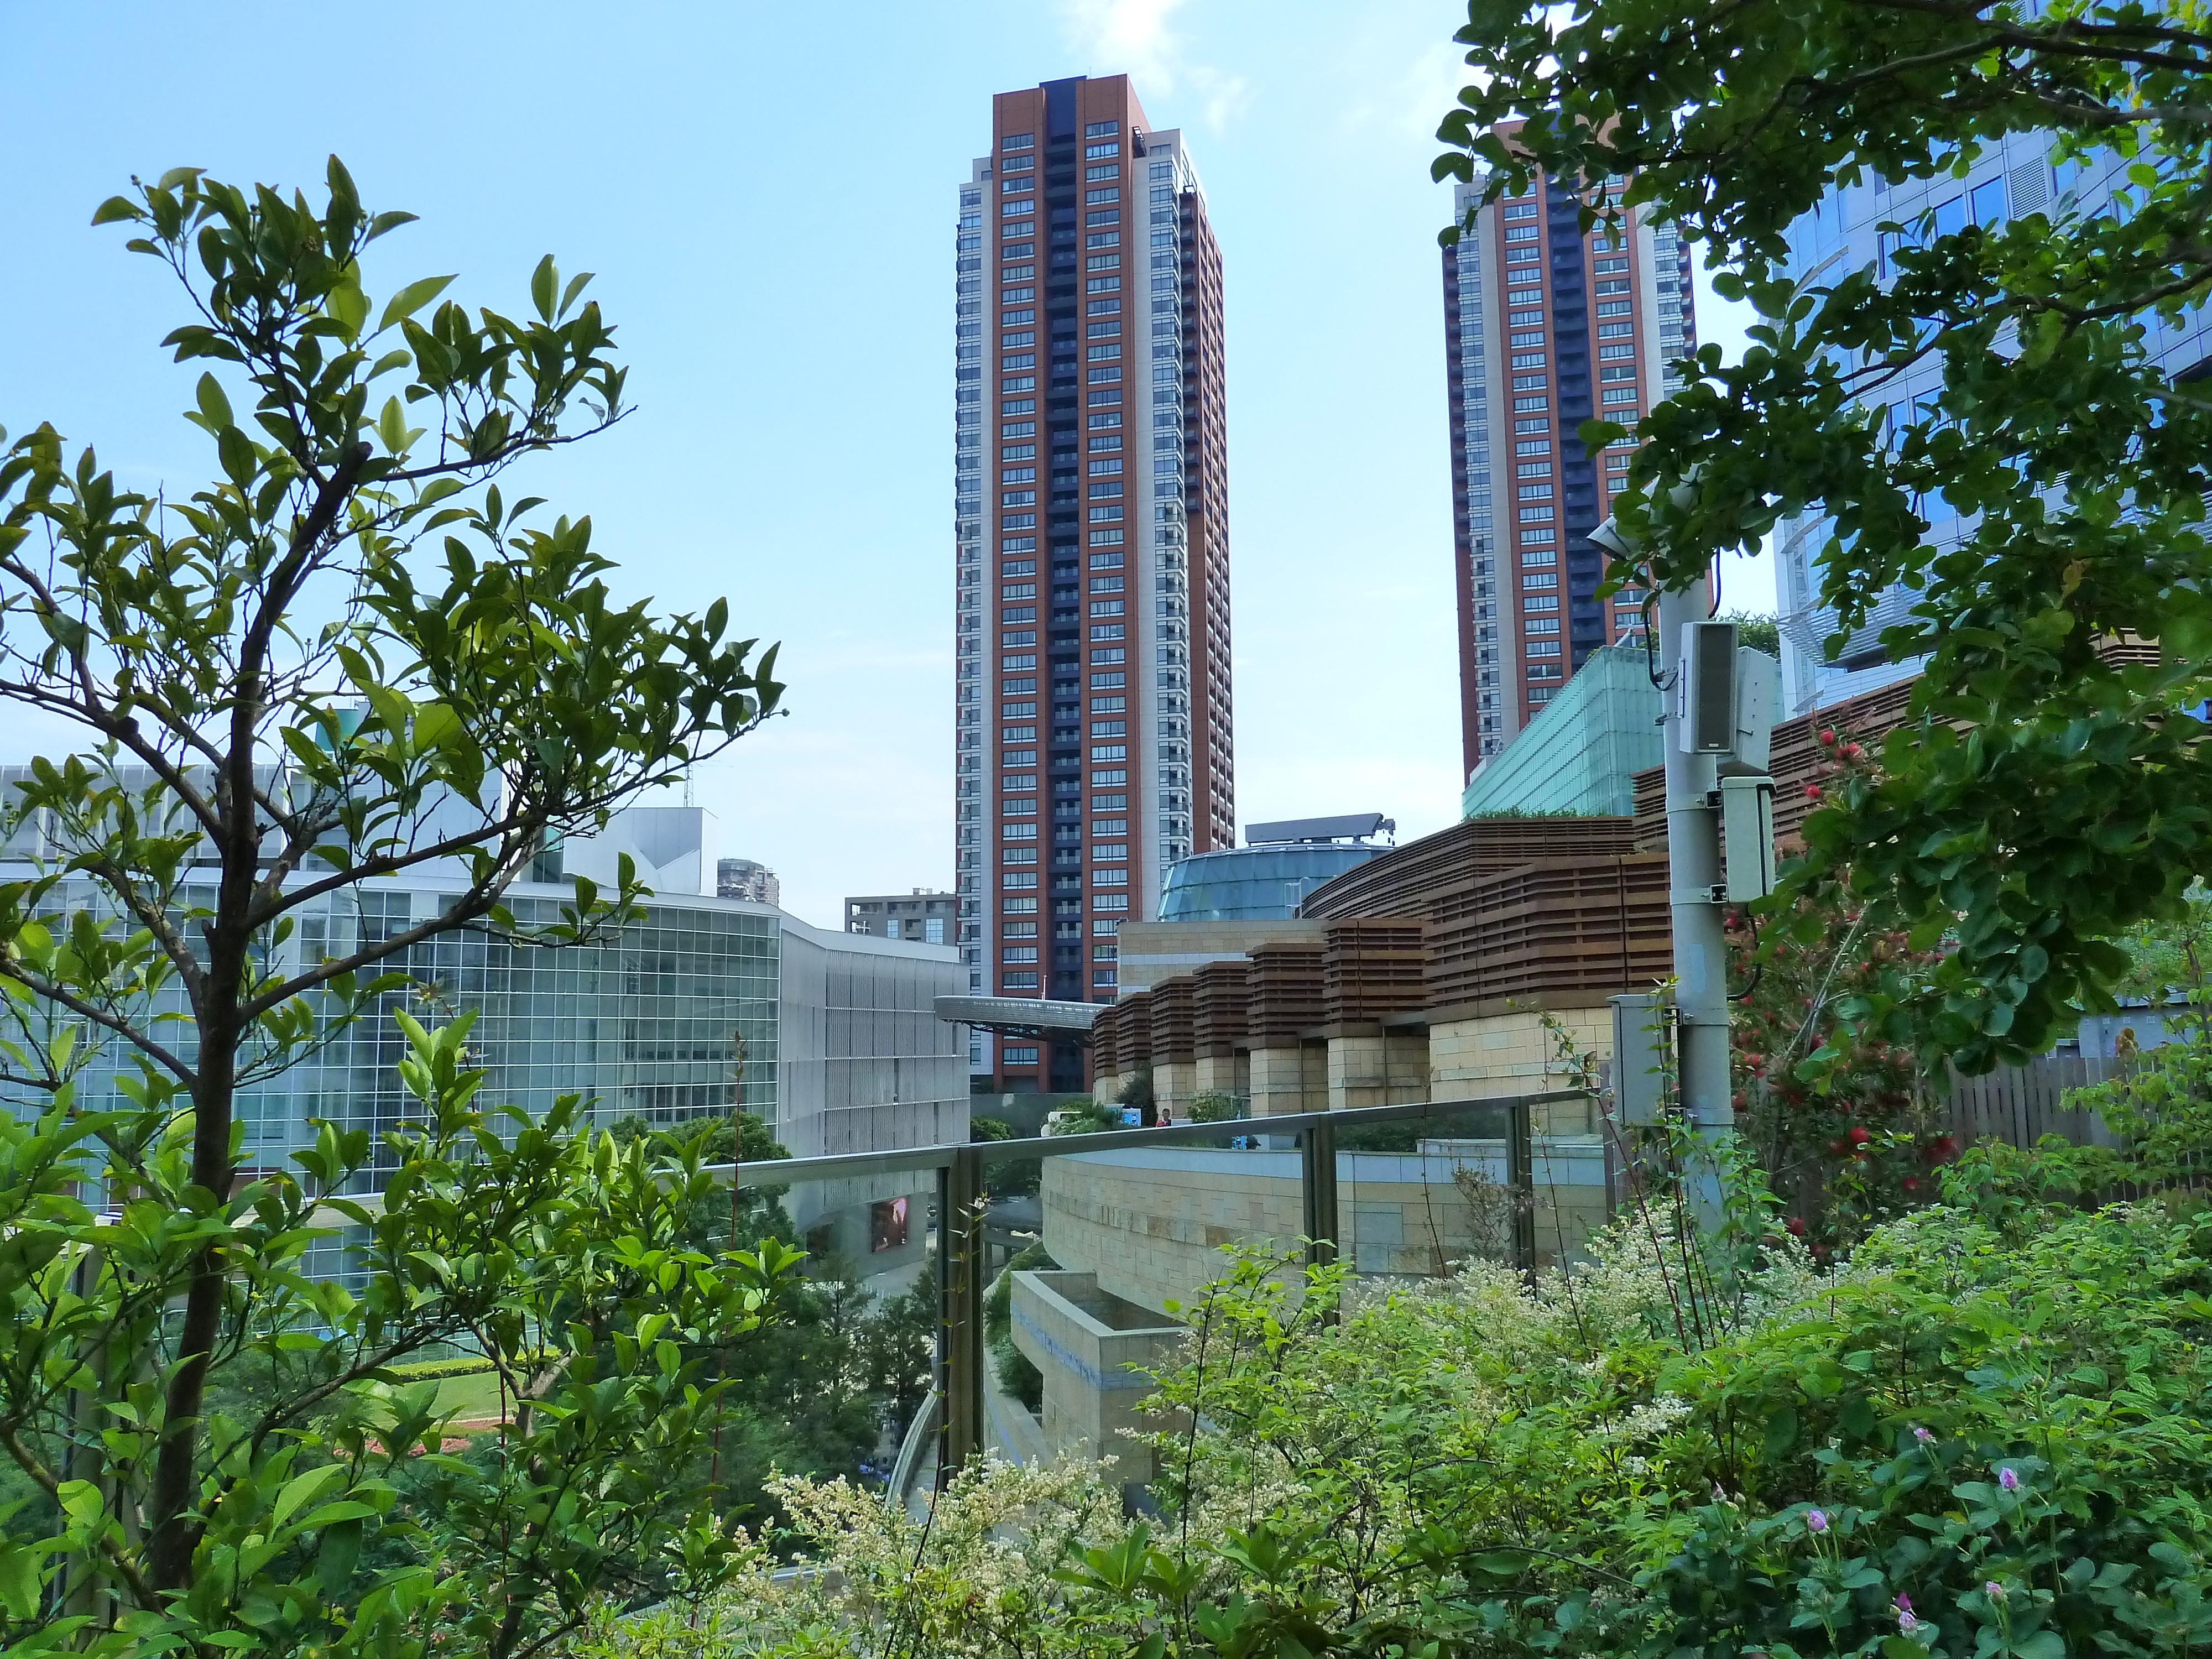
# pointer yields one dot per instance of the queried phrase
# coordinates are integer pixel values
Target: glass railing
(1058, 1268)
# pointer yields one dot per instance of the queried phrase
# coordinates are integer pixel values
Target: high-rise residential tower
(1092, 744)
(1545, 327)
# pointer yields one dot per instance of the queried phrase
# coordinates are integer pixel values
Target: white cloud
(1134, 38)
(1418, 97)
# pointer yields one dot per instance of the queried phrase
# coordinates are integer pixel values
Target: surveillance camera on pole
(1721, 703)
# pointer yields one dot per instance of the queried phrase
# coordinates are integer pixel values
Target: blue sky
(766, 194)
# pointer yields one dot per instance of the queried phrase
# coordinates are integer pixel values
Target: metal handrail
(785, 1171)
(957, 1404)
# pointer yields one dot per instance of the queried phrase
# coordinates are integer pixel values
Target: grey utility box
(1643, 1043)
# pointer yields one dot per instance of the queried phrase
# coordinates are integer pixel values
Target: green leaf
(335, 1557)
(115, 208)
(347, 303)
(215, 407)
(81, 1502)
(298, 1490)
(544, 283)
(411, 299)
(21, 1579)
(1781, 1434)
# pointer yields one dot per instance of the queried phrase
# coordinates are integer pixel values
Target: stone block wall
(1097, 1353)
(1499, 1054)
(1151, 1224)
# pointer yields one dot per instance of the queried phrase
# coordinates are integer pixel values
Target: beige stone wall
(1226, 1074)
(1390, 1068)
(1172, 1087)
(1357, 1073)
(1151, 1224)
(1512, 1054)
(1290, 1078)
(1096, 1354)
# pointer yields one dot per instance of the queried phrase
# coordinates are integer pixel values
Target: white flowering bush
(1987, 1433)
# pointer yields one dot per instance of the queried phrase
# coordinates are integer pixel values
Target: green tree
(347, 657)
(1758, 630)
(2048, 792)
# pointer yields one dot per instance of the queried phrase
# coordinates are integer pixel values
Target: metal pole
(1318, 1167)
(1521, 1184)
(1693, 865)
(960, 1258)
(944, 1365)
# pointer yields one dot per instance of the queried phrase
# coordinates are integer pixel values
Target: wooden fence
(2020, 1105)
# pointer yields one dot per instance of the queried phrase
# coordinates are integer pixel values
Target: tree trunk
(171, 1542)
(172, 1538)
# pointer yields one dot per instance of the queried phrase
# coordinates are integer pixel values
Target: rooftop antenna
(687, 801)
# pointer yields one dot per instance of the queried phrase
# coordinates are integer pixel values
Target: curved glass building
(1254, 883)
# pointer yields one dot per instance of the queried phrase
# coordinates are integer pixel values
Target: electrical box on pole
(1748, 836)
(1746, 792)
(1758, 691)
(1642, 1054)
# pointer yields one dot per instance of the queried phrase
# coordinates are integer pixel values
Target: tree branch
(45, 1480)
(40, 986)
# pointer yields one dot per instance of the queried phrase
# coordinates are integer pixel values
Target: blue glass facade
(1254, 883)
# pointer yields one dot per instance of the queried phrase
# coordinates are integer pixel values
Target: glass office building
(1843, 233)
(704, 1006)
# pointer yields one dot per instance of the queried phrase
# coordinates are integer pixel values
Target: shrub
(1985, 1432)
(1216, 1106)
(1085, 1117)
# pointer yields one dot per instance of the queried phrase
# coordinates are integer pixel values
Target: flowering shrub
(1984, 1432)
(1839, 1115)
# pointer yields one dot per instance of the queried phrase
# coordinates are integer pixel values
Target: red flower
(1852, 752)
(1911, 1183)
(1860, 1136)
(1796, 1226)
(1812, 792)
(1827, 734)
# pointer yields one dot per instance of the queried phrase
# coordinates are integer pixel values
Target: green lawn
(474, 1398)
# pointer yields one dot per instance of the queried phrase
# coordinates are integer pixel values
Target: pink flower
(1816, 1521)
(2008, 1479)
(1994, 1590)
(1924, 1437)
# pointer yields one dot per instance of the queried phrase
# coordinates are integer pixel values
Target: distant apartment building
(925, 914)
(1544, 327)
(744, 878)
(1093, 746)
(2011, 178)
